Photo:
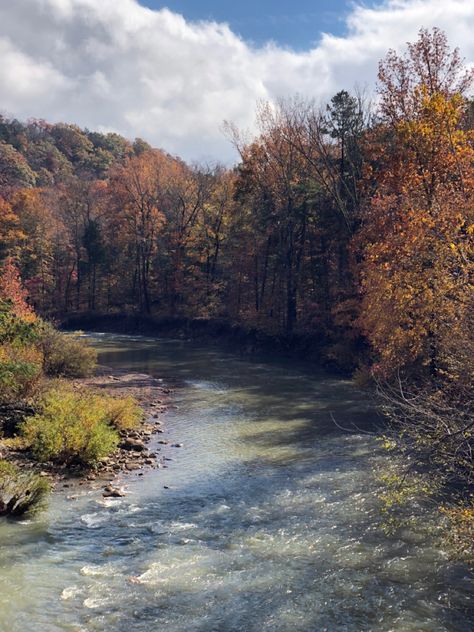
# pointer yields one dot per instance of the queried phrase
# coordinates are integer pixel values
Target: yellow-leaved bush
(20, 372)
(123, 413)
(66, 355)
(77, 427)
(460, 535)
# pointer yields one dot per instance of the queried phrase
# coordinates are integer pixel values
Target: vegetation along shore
(64, 421)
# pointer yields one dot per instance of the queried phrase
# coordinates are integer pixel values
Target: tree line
(353, 221)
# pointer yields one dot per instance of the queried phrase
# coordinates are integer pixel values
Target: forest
(350, 224)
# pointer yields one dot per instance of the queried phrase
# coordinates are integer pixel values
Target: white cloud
(116, 65)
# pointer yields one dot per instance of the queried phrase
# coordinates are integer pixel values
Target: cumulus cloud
(116, 65)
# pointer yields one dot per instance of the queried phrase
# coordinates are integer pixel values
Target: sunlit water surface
(270, 522)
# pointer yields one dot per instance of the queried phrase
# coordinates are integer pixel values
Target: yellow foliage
(71, 427)
(66, 355)
(418, 257)
(460, 535)
(122, 413)
(20, 372)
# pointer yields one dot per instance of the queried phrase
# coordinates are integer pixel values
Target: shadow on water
(271, 522)
(230, 543)
(231, 552)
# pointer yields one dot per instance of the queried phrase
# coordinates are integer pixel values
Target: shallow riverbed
(270, 522)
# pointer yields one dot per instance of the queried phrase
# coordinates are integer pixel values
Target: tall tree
(274, 180)
(135, 190)
(417, 235)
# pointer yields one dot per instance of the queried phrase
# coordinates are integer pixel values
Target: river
(270, 521)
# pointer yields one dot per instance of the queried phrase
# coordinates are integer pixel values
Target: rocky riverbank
(139, 449)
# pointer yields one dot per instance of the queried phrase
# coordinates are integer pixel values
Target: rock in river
(133, 444)
(112, 492)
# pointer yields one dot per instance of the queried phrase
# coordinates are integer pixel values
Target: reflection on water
(270, 522)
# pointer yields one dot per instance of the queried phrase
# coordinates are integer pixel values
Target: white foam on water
(94, 520)
(182, 526)
(99, 570)
(70, 592)
(95, 602)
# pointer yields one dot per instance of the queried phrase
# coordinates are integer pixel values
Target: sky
(296, 24)
(173, 75)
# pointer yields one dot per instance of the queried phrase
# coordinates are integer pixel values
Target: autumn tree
(274, 182)
(11, 235)
(135, 189)
(14, 169)
(331, 143)
(76, 206)
(13, 291)
(35, 257)
(214, 227)
(417, 236)
(185, 192)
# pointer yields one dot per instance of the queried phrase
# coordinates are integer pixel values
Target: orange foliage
(135, 190)
(11, 289)
(11, 235)
(417, 236)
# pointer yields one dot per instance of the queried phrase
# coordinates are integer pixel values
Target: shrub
(14, 329)
(20, 492)
(122, 413)
(70, 428)
(363, 377)
(399, 492)
(20, 372)
(66, 355)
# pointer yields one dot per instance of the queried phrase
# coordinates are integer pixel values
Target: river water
(270, 523)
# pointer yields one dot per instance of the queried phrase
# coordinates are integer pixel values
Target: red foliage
(12, 289)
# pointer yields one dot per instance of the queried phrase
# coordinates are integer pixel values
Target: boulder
(133, 444)
(112, 492)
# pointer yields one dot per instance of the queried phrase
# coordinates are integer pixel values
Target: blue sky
(297, 24)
